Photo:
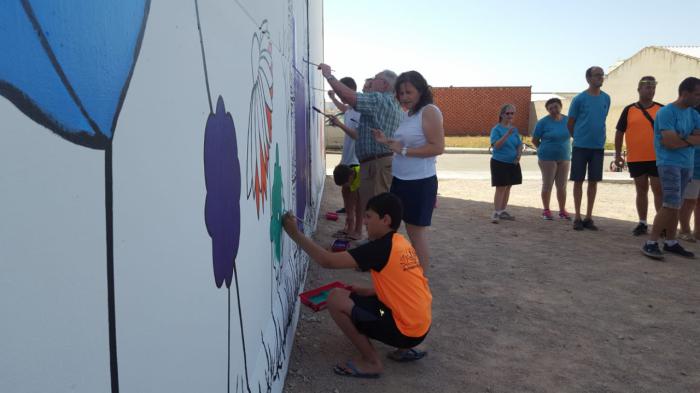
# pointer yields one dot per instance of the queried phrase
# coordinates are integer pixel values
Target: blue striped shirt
(379, 110)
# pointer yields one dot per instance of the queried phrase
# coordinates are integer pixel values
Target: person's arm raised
(341, 107)
(325, 258)
(352, 133)
(346, 94)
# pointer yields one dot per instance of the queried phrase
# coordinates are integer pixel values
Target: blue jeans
(674, 181)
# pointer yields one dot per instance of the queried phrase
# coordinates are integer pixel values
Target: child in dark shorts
(396, 310)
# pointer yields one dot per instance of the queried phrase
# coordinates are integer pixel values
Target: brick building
(474, 110)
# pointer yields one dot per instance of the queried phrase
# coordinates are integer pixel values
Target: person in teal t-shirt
(676, 133)
(505, 161)
(586, 123)
(690, 198)
(553, 143)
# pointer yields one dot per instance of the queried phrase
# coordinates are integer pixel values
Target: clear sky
(545, 44)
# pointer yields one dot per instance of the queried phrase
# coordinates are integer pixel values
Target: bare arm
(346, 94)
(352, 133)
(434, 137)
(341, 107)
(671, 140)
(619, 135)
(536, 141)
(519, 153)
(694, 138)
(325, 258)
(570, 125)
(499, 143)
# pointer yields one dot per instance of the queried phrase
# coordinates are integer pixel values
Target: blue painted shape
(67, 65)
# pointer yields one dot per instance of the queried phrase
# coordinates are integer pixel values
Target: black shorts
(505, 174)
(373, 319)
(582, 158)
(643, 168)
(418, 199)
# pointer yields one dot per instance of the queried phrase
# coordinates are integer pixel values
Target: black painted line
(228, 359)
(204, 58)
(240, 321)
(113, 365)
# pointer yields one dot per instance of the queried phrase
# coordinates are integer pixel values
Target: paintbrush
(315, 64)
(324, 114)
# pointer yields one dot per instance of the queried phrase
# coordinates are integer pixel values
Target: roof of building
(692, 51)
(686, 50)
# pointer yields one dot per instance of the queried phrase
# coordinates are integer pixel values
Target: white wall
(172, 322)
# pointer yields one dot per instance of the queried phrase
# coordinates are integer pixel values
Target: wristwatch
(404, 150)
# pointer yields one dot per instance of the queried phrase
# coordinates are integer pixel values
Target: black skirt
(505, 174)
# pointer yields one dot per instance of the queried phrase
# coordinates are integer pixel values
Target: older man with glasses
(379, 109)
(636, 125)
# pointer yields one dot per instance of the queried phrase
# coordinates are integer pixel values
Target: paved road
(471, 166)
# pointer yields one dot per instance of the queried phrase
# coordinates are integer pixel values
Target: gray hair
(504, 108)
(390, 78)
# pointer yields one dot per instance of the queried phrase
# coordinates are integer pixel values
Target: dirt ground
(527, 306)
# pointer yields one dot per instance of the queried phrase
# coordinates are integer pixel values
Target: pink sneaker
(563, 215)
(546, 214)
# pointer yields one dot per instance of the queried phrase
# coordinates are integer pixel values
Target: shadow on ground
(526, 306)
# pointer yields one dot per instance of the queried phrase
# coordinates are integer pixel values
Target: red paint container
(316, 298)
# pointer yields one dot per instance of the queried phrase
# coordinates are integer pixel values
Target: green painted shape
(276, 207)
(320, 298)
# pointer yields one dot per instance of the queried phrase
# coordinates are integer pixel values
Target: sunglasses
(508, 113)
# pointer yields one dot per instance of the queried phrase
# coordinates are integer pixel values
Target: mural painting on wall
(260, 117)
(68, 69)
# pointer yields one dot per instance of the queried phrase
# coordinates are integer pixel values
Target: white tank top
(411, 134)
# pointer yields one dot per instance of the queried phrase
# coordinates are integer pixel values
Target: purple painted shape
(222, 176)
(301, 144)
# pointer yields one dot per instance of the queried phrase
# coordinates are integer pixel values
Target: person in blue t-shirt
(553, 143)
(587, 115)
(676, 133)
(505, 161)
(690, 199)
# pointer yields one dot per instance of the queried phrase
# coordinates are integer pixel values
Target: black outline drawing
(260, 117)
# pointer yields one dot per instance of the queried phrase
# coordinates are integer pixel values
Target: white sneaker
(495, 217)
(505, 216)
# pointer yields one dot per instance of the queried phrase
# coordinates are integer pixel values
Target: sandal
(349, 369)
(340, 234)
(406, 355)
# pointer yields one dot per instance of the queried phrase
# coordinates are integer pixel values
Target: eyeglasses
(597, 75)
(508, 113)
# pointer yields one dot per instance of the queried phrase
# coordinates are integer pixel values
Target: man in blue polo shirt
(676, 133)
(587, 115)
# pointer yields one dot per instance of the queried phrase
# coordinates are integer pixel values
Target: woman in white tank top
(419, 139)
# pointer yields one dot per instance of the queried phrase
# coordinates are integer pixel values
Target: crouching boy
(396, 310)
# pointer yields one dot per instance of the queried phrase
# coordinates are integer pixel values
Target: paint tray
(316, 298)
(340, 245)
